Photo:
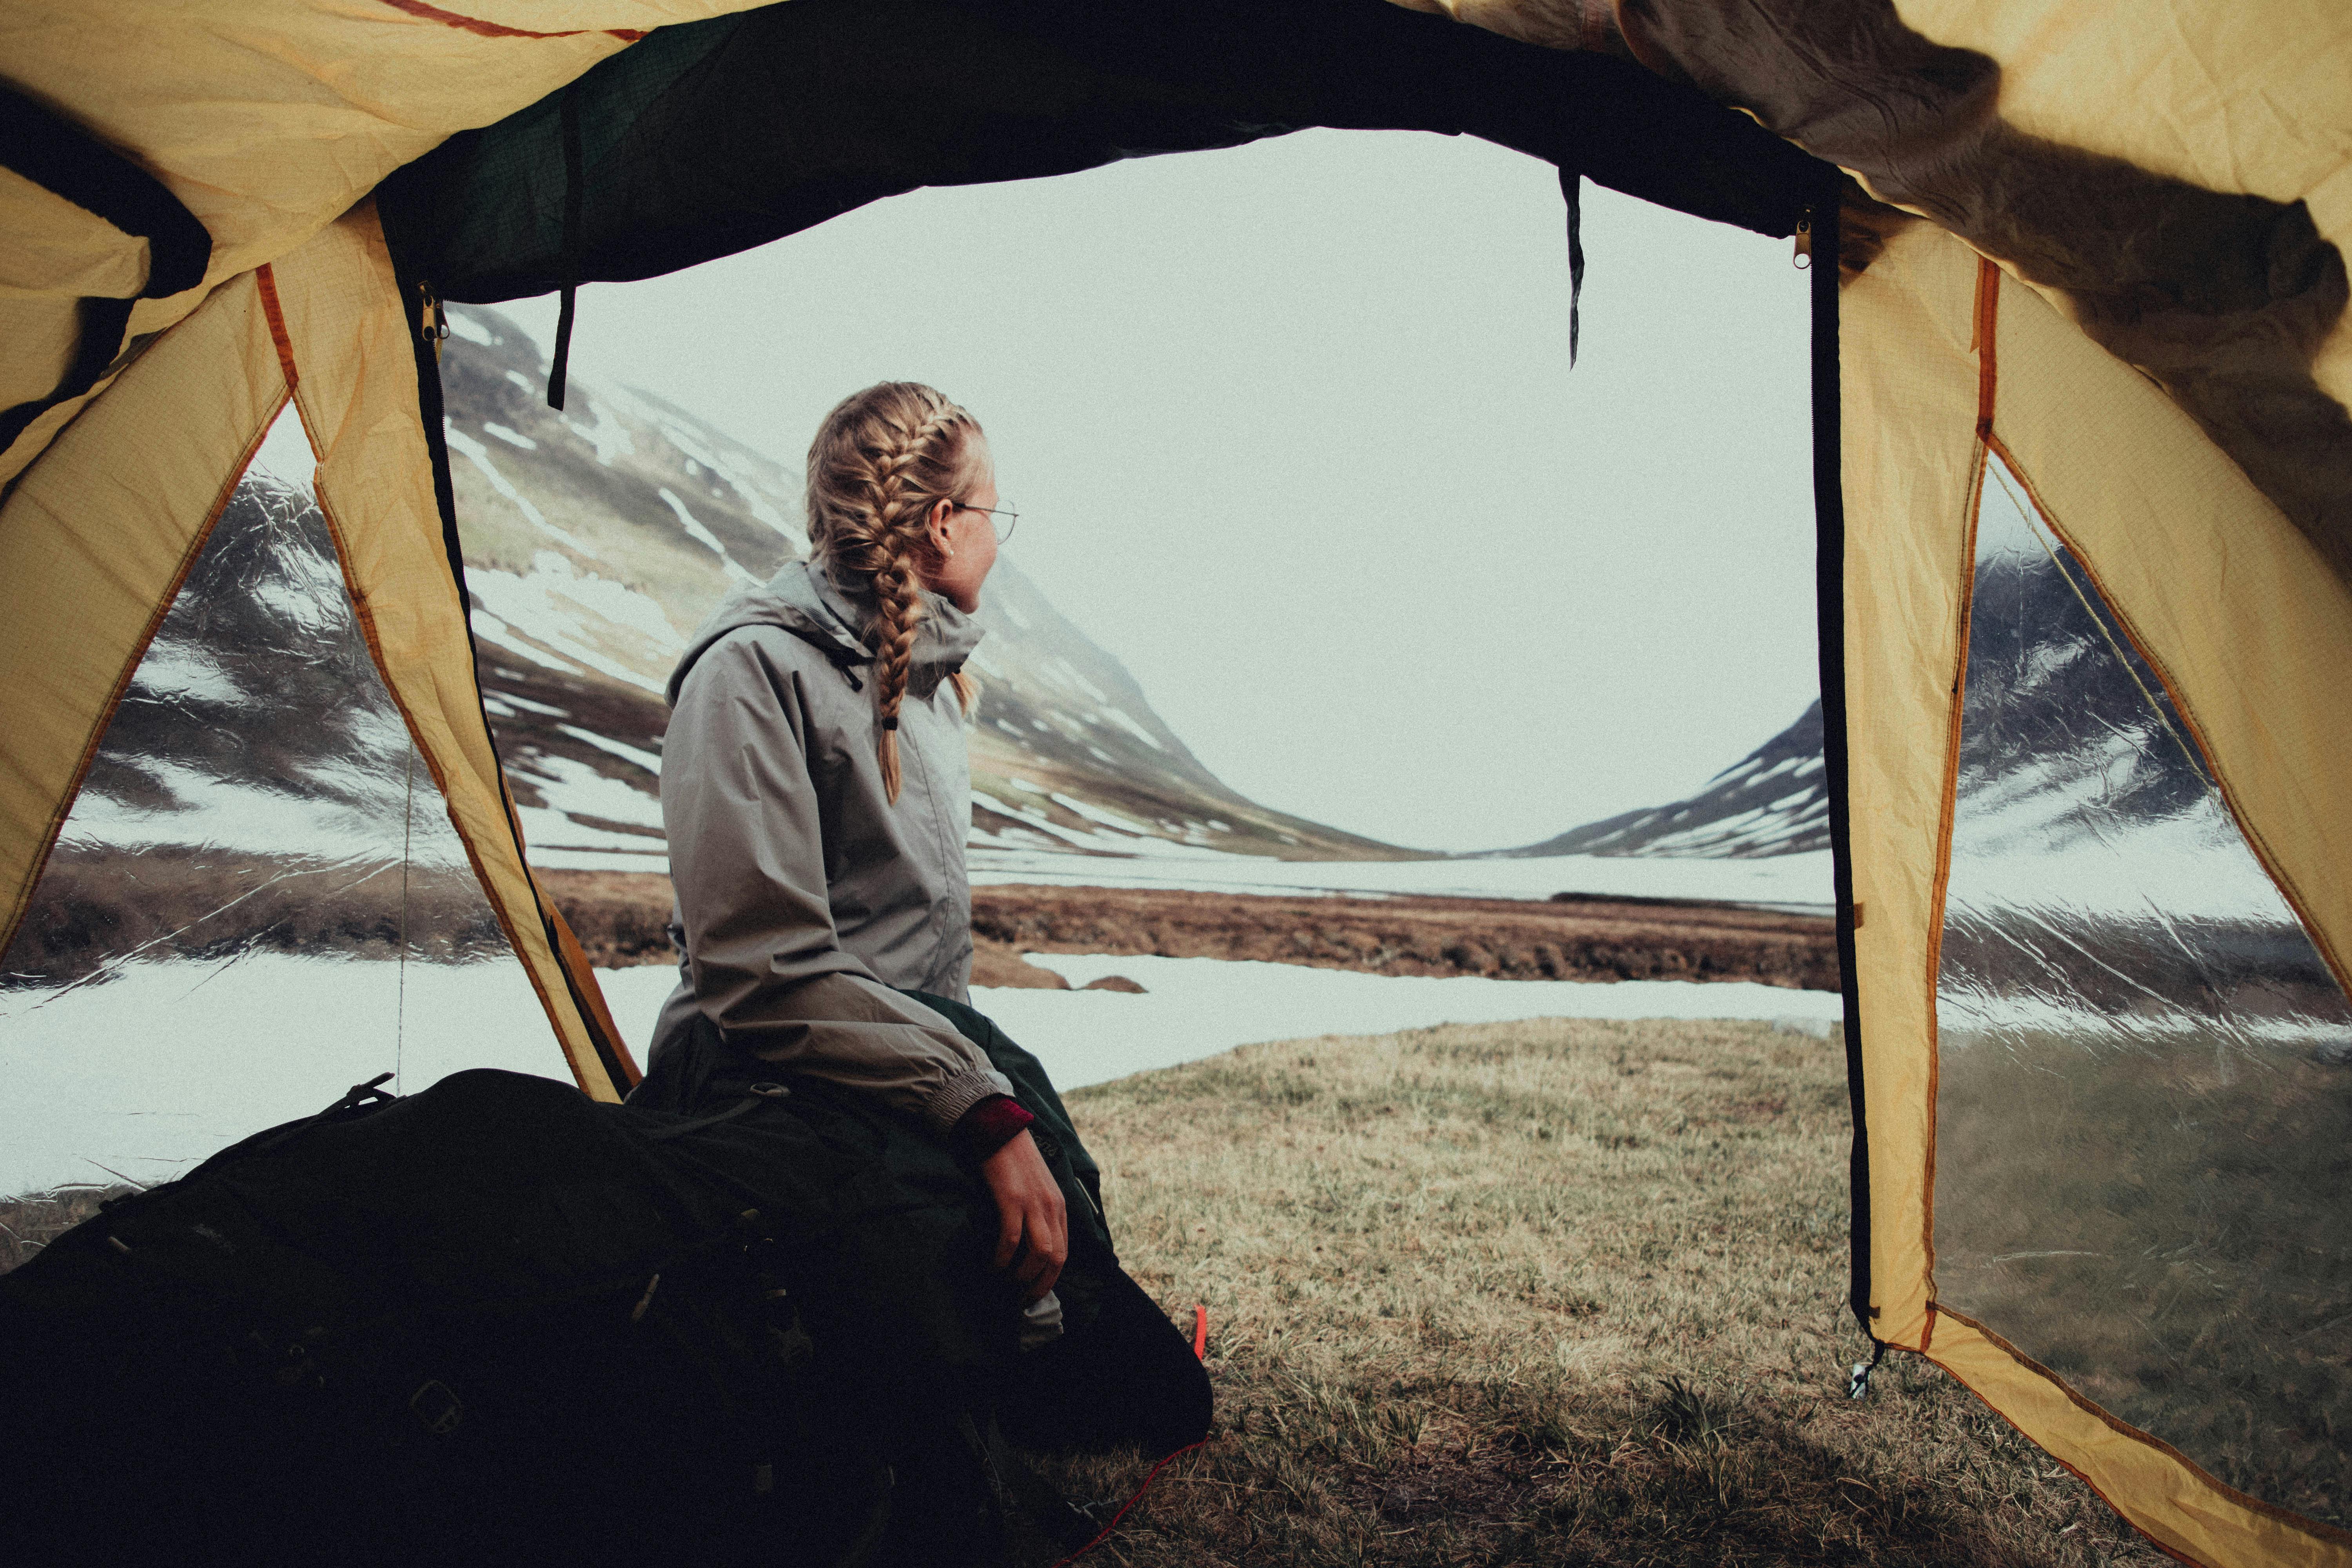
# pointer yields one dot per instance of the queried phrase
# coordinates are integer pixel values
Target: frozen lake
(1798, 882)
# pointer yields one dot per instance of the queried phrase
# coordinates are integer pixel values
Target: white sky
(1294, 434)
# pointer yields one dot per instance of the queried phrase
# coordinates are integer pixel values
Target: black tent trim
(712, 137)
(425, 340)
(1829, 587)
(67, 161)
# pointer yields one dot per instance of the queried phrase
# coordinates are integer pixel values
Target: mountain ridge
(597, 538)
(1773, 801)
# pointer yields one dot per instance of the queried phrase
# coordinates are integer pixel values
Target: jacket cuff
(990, 1126)
(960, 1094)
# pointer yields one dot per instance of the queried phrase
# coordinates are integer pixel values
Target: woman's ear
(935, 529)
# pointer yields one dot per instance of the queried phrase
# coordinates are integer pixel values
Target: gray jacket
(804, 895)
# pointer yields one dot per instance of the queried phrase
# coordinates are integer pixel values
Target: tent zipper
(432, 321)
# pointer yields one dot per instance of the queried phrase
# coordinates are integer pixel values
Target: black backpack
(497, 1323)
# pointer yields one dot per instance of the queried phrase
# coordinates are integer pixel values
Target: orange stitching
(480, 29)
(591, 995)
(1987, 325)
(1939, 889)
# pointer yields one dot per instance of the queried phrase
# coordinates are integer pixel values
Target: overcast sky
(1294, 434)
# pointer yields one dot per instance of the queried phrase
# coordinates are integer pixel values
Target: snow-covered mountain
(1772, 801)
(256, 724)
(597, 538)
(2078, 787)
(2059, 736)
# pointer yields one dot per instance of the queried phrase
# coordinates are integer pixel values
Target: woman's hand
(1030, 1220)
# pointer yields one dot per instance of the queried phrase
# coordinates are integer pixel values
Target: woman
(817, 790)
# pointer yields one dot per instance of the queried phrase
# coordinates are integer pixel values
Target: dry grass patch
(1560, 1291)
(31, 1222)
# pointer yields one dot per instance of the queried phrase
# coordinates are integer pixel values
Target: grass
(1560, 1291)
(1551, 1293)
(29, 1223)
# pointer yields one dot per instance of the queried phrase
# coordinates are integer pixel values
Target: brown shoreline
(619, 916)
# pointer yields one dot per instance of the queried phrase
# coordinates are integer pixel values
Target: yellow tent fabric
(2108, 252)
(1934, 339)
(96, 540)
(269, 122)
(344, 337)
(2180, 190)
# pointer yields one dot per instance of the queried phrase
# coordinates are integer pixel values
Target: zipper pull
(432, 321)
(1804, 257)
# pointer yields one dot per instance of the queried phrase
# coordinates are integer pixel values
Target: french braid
(882, 460)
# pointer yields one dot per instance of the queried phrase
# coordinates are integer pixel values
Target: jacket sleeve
(747, 858)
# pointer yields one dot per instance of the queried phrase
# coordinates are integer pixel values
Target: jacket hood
(804, 599)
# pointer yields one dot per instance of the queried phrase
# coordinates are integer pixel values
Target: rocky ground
(618, 917)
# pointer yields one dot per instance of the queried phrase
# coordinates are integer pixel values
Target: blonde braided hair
(883, 458)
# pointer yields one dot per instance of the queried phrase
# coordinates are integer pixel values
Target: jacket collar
(804, 599)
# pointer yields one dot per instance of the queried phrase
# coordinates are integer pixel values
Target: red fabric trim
(1987, 324)
(267, 281)
(480, 29)
(990, 1124)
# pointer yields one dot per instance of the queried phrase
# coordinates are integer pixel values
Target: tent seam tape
(1939, 888)
(2060, 1460)
(486, 29)
(265, 281)
(2317, 1529)
(1983, 332)
(58, 814)
(1986, 332)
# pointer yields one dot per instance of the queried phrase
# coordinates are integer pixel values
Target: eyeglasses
(1007, 519)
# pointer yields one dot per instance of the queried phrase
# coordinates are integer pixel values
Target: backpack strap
(1012, 1480)
(757, 1094)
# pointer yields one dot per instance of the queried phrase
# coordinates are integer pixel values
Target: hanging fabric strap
(757, 1094)
(66, 161)
(575, 200)
(1571, 188)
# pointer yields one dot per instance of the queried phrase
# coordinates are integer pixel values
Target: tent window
(2144, 1105)
(258, 900)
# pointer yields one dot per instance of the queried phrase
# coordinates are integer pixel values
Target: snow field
(150, 1072)
(1195, 1008)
